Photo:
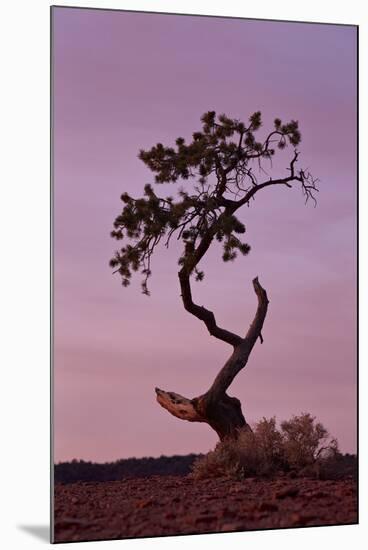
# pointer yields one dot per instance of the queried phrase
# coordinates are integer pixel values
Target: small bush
(300, 445)
(302, 440)
(270, 442)
(230, 458)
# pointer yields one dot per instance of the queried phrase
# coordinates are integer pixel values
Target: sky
(125, 81)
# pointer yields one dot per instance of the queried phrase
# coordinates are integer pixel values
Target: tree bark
(215, 407)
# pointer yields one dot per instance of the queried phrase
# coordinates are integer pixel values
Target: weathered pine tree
(224, 161)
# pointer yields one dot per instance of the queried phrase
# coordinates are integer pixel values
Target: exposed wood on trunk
(223, 415)
(177, 405)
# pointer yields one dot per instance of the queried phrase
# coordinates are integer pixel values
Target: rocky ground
(174, 505)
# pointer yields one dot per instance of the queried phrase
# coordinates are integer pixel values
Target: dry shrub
(229, 458)
(270, 442)
(300, 445)
(254, 453)
(303, 440)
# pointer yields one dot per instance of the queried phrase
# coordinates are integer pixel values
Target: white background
(25, 270)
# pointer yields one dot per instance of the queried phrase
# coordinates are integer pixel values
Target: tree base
(224, 414)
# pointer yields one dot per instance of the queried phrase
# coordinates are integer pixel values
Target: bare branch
(239, 357)
(204, 314)
(306, 179)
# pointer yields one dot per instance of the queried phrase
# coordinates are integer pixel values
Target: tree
(220, 160)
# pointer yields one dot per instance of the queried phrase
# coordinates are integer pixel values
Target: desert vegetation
(301, 446)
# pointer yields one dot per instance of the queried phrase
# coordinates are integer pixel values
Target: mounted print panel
(205, 274)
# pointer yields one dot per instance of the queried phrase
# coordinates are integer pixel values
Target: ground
(173, 505)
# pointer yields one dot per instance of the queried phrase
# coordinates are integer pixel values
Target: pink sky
(124, 81)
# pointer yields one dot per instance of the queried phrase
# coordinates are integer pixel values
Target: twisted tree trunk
(215, 407)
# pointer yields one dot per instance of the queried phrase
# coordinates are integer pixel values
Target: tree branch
(279, 181)
(204, 314)
(239, 357)
(306, 179)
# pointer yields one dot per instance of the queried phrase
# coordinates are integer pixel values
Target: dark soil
(175, 505)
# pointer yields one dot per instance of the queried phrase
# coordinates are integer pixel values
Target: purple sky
(124, 81)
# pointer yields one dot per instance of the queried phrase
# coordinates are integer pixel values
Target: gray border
(52, 248)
